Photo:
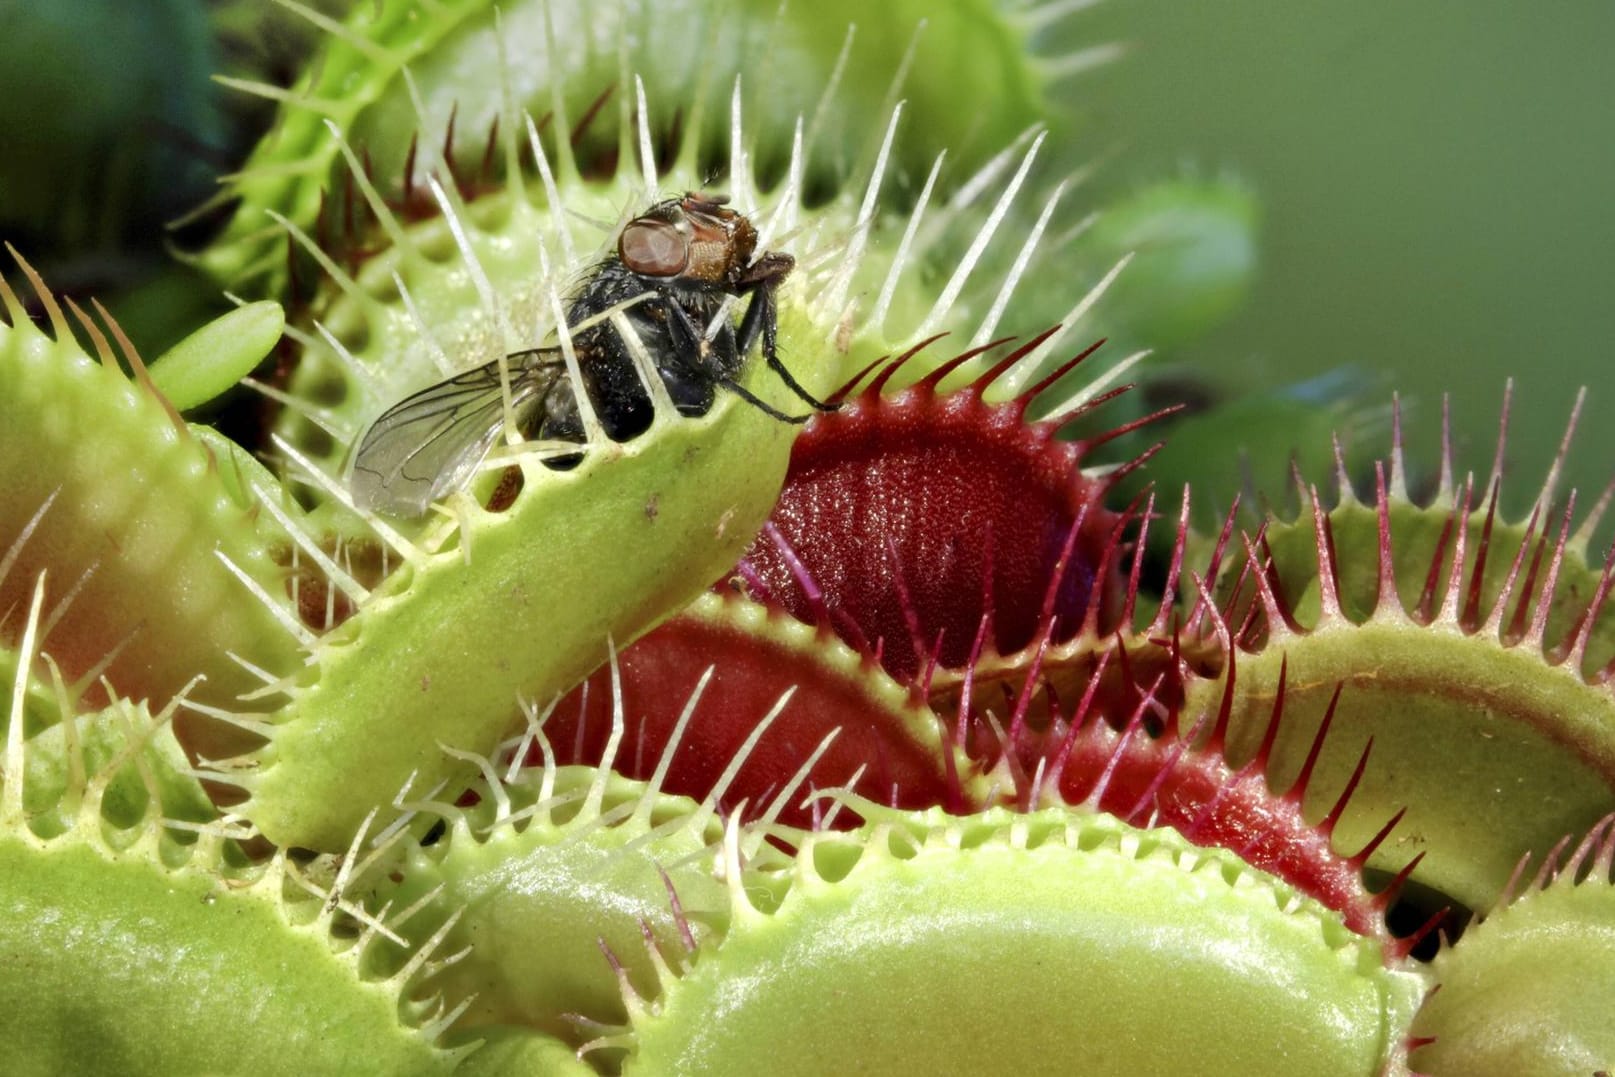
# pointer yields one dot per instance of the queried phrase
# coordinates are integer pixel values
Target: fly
(676, 265)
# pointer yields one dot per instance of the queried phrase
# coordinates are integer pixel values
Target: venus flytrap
(217, 356)
(521, 600)
(65, 742)
(1475, 653)
(461, 65)
(1526, 990)
(133, 516)
(144, 943)
(443, 177)
(555, 876)
(1028, 943)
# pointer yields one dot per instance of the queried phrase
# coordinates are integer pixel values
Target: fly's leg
(689, 340)
(763, 318)
(763, 406)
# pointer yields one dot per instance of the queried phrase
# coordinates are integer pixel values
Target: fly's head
(697, 242)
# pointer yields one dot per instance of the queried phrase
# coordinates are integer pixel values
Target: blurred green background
(1437, 183)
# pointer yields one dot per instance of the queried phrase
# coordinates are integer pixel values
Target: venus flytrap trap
(1527, 989)
(65, 742)
(858, 728)
(556, 876)
(1475, 651)
(145, 528)
(438, 653)
(213, 359)
(609, 530)
(148, 945)
(906, 946)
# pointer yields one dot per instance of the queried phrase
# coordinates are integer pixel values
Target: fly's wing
(429, 444)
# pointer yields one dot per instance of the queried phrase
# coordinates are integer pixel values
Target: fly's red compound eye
(654, 248)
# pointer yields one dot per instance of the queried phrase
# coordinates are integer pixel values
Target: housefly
(675, 267)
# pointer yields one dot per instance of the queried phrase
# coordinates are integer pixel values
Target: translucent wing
(428, 444)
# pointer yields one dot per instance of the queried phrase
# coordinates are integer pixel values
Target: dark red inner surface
(916, 515)
(903, 767)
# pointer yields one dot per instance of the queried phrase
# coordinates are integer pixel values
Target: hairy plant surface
(874, 712)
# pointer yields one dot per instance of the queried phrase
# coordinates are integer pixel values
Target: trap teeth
(995, 912)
